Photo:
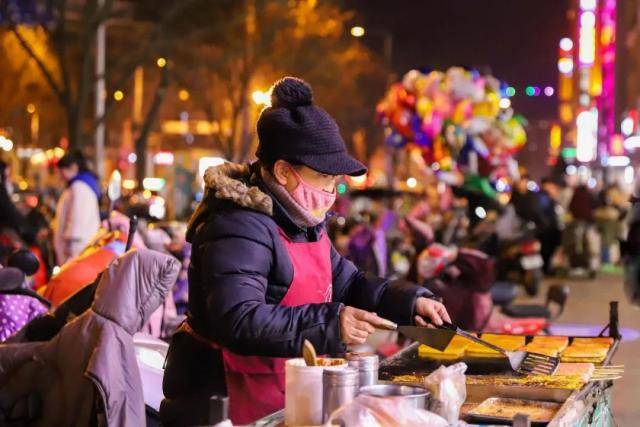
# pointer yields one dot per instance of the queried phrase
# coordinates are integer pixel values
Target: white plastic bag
(448, 388)
(375, 411)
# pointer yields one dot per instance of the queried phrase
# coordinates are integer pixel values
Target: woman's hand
(433, 311)
(356, 325)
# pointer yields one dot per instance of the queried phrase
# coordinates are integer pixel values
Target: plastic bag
(448, 389)
(373, 411)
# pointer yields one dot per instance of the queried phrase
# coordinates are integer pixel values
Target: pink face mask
(317, 202)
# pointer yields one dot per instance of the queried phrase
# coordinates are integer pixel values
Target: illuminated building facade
(590, 101)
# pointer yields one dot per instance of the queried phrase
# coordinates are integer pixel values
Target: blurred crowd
(576, 228)
(457, 241)
(55, 242)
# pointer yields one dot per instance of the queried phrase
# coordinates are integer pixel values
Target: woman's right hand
(356, 325)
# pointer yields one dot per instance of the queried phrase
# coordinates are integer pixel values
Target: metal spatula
(521, 361)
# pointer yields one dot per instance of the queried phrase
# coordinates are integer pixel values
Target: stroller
(19, 304)
(84, 371)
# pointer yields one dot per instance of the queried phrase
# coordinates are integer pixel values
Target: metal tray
(477, 415)
(408, 362)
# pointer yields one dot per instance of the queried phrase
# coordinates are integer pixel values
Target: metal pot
(416, 395)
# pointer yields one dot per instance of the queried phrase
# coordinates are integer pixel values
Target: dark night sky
(516, 39)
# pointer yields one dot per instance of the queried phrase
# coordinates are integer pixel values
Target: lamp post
(100, 62)
(387, 40)
(387, 52)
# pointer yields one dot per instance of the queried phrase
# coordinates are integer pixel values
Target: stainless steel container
(416, 395)
(339, 386)
(367, 365)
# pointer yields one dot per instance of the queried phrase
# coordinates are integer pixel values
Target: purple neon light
(606, 101)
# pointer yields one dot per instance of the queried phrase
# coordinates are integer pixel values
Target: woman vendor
(264, 275)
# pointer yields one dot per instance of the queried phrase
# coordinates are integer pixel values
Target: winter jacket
(240, 270)
(77, 220)
(528, 207)
(581, 206)
(91, 362)
(10, 217)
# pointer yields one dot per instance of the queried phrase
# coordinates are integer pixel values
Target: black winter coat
(240, 271)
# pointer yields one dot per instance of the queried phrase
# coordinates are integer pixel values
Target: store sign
(587, 135)
(153, 184)
(163, 158)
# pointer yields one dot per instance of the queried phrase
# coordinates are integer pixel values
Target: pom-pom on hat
(293, 128)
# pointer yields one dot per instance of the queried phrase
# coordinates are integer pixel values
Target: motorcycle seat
(527, 310)
(503, 293)
(557, 294)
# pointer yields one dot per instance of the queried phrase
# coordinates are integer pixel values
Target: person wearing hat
(264, 275)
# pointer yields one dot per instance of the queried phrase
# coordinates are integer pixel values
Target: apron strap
(186, 327)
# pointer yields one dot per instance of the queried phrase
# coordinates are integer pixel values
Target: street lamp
(261, 98)
(387, 40)
(183, 95)
(357, 31)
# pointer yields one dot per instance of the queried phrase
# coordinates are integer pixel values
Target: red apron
(256, 384)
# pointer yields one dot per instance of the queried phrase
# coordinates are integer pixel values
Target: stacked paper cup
(303, 392)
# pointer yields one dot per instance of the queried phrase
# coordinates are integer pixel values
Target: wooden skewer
(604, 379)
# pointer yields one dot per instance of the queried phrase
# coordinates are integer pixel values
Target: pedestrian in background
(77, 212)
(10, 216)
(550, 235)
(608, 217)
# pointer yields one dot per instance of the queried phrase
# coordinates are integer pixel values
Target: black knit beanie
(295, 129)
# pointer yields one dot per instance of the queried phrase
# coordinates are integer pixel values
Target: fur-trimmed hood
(237, 183)
(232, 181)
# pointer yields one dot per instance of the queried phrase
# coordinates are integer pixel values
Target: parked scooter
(465, 282)
(520, 261)
(515, 247)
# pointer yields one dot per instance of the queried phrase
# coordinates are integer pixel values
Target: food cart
(582, 403)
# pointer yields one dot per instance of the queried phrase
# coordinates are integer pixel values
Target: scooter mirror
(114, 189)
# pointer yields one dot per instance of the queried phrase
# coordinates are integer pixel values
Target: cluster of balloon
(455, 118)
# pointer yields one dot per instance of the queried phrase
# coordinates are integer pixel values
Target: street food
(587, 350)
(455, 349)
(547, 345)
(565, 382)
(545, 340)
(507, 342)
(583, 370)
(547, 350)
(593, 340)
(506, 409)
(568, 382)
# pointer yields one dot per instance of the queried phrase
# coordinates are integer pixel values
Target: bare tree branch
(149, 121)
(43, 68)
(60, 44)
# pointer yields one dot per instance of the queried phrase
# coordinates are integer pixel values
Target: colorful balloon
(451, 117)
